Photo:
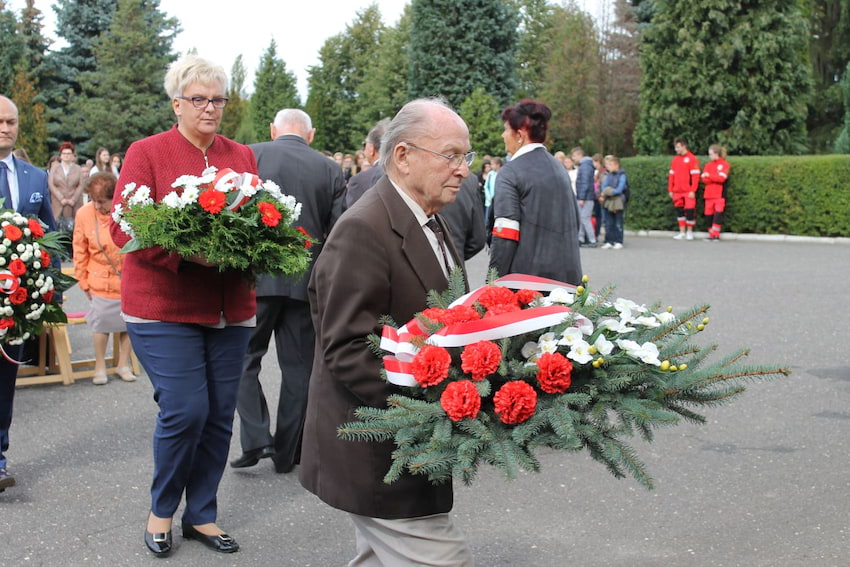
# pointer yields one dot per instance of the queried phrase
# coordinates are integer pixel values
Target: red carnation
(12, 232)
(45, 257)
(48, 297)
(526, 296)
(436, 314)
(17, 267)
(456, 314)
(7, 323)
(461, 314)
(461, 400)
(270, 215)
(35, 228)
(495, 295)
(500, 308)
(307, 242)
(481, 359)
(515, 402)
(19, 296)
(555, 373)
(212, 201)
(431, 365)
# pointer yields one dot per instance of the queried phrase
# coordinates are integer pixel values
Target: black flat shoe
(222, 543)
(252, 457)
(159, 544)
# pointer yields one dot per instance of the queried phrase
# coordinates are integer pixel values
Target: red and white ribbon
(399, 341)
(9, 282)
(227, 180)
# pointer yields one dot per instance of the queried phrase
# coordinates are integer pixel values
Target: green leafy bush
(801, 195)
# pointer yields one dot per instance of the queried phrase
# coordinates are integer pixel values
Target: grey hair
(293, 116)
(410, 122)
(192, 69)
(376, 134)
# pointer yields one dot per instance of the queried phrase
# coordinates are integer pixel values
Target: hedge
(801, 195)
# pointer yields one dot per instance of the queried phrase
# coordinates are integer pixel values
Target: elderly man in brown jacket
(381, 258)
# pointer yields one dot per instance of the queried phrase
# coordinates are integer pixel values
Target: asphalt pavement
(765, 482)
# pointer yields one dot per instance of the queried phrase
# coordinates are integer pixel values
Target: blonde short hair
(192, 69)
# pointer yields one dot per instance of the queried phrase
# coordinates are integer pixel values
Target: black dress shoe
(6, 480)
(222, 543)
(252, 457)
(159, 544)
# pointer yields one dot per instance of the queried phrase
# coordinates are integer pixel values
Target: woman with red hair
(536, 215)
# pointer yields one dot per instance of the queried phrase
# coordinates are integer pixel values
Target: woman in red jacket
(189, 322)
(714, 177)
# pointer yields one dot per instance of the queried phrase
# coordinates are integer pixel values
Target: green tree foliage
(722, 71)
(121, 103)
(829, 50)
(236, 111)
(275, 88)
(536, 19)
(32, 129)
(341, 115)
(842, 143)
(481, 113)
(383, 88)
(571, 81)
(13, 47)
(34, 42)
(459, 45)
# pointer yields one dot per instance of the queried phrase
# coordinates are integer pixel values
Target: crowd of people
(390, 222)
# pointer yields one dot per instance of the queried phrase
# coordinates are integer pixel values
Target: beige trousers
(431, 541)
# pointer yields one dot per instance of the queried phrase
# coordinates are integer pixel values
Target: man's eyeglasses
(455, 160)
(202, 101)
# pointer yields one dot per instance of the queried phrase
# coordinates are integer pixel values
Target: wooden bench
(54, 364)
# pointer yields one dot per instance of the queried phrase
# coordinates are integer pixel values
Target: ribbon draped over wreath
(245, 184)
(400, 341)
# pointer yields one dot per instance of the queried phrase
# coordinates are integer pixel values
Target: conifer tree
(79, 23)
(32, 129)
(275, 88)
(35, 44)
(720, 71)
(458, 45)
(237, 105)
(122, 103)
(13, 47)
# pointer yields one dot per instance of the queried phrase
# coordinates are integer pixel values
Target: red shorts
(717, 205)
(682, 200)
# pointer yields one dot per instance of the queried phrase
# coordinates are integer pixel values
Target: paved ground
(765, 483)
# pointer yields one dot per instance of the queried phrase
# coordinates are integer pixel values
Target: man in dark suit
(382, 257)
(366, 179)
(282, 302)
(24, 189)
(465, 218)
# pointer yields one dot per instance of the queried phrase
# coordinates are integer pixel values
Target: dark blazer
(361, 182)
(33, 193)
(534, 189)
(317, 183)
(465, 218)
(376, 262)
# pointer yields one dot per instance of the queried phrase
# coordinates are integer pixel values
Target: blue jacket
(584, 180)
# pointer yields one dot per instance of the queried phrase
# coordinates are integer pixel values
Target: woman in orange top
(97, 267)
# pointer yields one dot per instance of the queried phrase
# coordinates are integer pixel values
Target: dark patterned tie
(5, 192)
(441, 240)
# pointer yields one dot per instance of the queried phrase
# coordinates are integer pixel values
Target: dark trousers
(195, 373)
(8, 374)
(613, 226)
(289, 320)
